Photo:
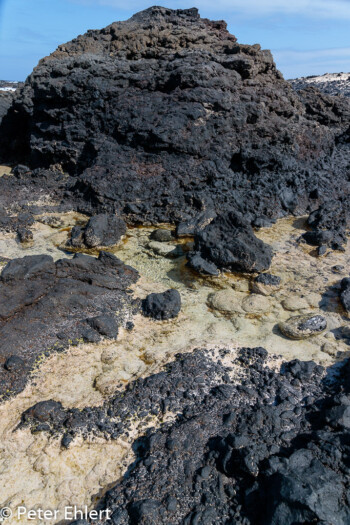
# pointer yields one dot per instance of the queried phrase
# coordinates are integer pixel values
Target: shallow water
(86, 375)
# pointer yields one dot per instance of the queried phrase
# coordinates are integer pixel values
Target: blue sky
(306, 36)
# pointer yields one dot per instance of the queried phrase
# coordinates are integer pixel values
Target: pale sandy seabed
(34, 470)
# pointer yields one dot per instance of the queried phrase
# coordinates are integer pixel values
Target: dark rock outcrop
(345, 294)
(162, 306)
(230, 244)
(272, 448)
(101, 230)
(47, 305)
(330, 224)
(165, 115)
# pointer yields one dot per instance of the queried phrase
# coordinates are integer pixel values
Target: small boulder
(24, 235)
(295, 303)
(104, 230)
(162, 235)
(229, 242)
(105, 325)
(266, 284)
(101, 230)
(14, 363)
(303, 326)
(162, 306)
(49, 411)
(200, 265)
(256, 304)
(226, 301)
(345, 294)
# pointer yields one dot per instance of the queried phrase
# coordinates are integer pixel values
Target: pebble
(160, 248)
(226, 301)
(266, 284)
(256, 303)
(162, 235)
(295, 303)
(303, 326)
(241, 286)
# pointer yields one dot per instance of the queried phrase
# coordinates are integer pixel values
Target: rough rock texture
(330, 224)
(345, 294)
(268, 448)
(329, 83)
(162, 306)
(266, 284)
(45, 306)
(303, 326)
(101, 230)
(230, 244)
(165, 115)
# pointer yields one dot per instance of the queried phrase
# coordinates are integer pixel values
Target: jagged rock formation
(165, 115)
(46, 306)
(271, 448)
(329, 83)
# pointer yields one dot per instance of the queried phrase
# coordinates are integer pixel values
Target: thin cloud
(335, 9)
(295, 63)
(309, 55)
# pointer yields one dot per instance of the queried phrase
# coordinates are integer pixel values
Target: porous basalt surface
(250, 443)
(47, 305)
(329, 83)
(229, 243)
(165, 115)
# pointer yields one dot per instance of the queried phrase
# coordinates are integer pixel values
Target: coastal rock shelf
(174, 287)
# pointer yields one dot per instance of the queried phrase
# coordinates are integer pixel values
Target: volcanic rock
(24, 235)
(44, 306)
(161, 235)
(266, 284)
(196, 224)
(303, 326)
(162, 306)
(345, 294)
(270, 448)
(101, 230)
(165, 116)
(200, 265)
(229, 242)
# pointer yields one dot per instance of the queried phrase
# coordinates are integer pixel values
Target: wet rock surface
(269, 446)
(161, 119)
(101, 230)
(303, 326)
(46, 306)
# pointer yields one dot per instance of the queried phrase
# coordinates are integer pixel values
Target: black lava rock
(14, 363)
(268, 279)
(106, 325)
(101, 230)
(162, 235)
(44, 306)
(211, 125)
(200, 265)
(24, 235)
(229, 242)
(345, 294)
(162, 306)
(269, 449)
